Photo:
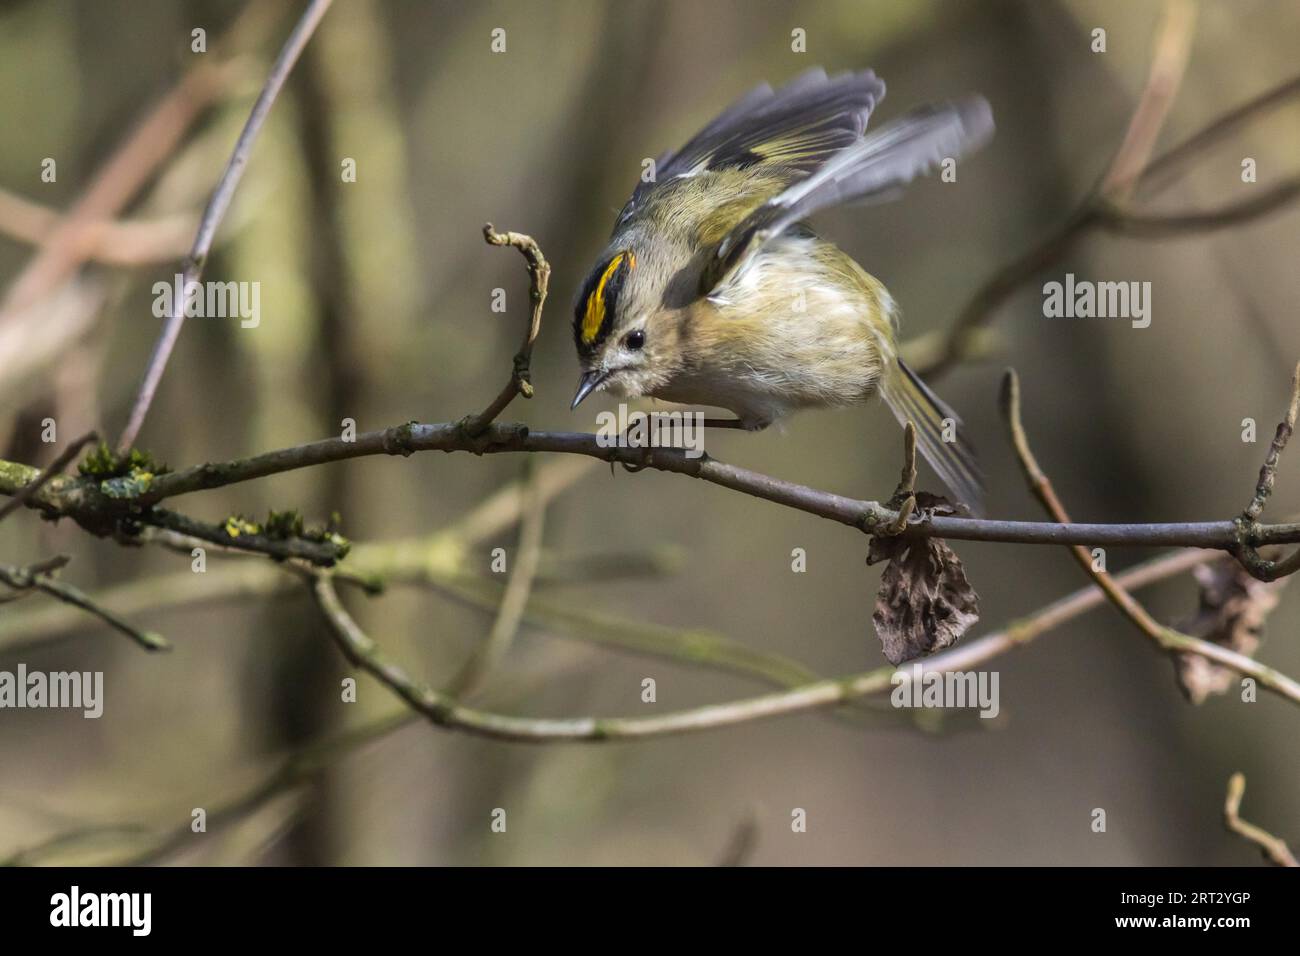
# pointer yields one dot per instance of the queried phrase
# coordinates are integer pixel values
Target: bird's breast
(795, 328)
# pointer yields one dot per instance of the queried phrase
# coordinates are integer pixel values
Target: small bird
(714, 291)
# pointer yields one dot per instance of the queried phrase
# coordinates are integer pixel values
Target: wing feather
(877, 165)
(793, 129)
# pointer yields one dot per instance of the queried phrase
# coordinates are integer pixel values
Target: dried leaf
(1232, 611)
(925, 602)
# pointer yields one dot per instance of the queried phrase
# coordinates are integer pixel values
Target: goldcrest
(713, 290)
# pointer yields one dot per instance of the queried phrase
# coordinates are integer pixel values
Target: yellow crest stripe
(594, 317)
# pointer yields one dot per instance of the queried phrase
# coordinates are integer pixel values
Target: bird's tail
(939, 434)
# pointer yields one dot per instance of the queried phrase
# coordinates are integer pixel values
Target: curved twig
(1274, 849)
(539, 278)
(1165, 637)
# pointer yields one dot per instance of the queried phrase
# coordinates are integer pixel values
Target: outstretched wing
(874, 166)
(792, 130)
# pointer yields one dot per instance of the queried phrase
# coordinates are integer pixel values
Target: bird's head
(625, 338)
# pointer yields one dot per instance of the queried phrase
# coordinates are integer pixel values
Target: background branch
(1274, 849)
(40, 578)
(1106, 207)
(514, 599)
(1164, 637)
(213, 214)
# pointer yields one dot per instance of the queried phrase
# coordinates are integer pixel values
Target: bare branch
(1127, 222)
(323, 551)
(1164, 637)
(539, 277)
(54, 468)
(514, 600)
(1247, 548)
(1166, 168)
(39, 577)
(214, 213)
(1107, 208)
(814, 695)
(1169, 54)
(1268, 472)
(79, 498)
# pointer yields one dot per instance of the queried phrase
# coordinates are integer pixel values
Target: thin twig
(38, 577)
(322, 552)
(1274, 849)
(214, 213)
(1169, 54)
(1247, 550)
(1127, 222)
(1164, 637)
(904, 498)
(54, 468)
(1268, 471)
(514, 599)
(539, 277)
(377, 562)
(1107, 210)
(695, 647)
(1165, 169)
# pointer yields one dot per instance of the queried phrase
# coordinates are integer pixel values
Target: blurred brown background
(376, 306)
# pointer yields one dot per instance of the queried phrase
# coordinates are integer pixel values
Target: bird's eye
(635, 340)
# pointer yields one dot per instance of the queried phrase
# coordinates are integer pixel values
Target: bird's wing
(873, 167)
(792, 130)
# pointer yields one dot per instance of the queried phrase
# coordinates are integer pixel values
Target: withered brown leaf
(925, 603)
(1232, 611)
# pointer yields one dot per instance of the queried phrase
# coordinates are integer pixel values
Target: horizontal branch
(444, 711)
(864, 515)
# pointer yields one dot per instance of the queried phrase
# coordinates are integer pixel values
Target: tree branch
(54, 468)
(1246, 551)
(443, 711)
(40, 577)
(214, 213)
(539, 277)
(514, 599)
(80, 498)
(1164, 637)
(1106, 207)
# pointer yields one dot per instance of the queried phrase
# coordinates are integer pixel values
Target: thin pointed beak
(589, 382)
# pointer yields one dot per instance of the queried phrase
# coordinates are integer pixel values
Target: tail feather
(910, 399)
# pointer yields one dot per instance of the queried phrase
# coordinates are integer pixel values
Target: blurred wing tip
(976, 118)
